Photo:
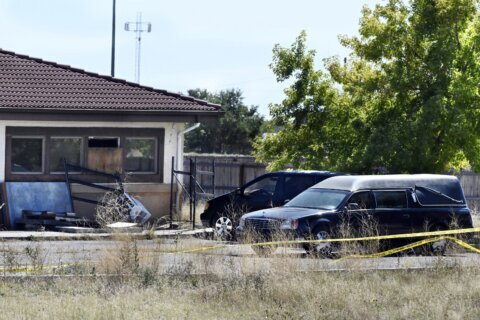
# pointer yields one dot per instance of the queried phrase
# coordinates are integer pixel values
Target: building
(50, 111)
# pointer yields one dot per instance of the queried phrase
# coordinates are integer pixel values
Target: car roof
(312, 172)
(442, 183)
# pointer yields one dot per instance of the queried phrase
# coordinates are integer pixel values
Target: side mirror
(286, 201)
(239, 192)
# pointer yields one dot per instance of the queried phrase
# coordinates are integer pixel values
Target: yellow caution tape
(384, 237)
(438, 235)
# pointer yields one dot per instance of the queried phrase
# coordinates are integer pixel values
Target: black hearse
(397, 204)
(266, 191)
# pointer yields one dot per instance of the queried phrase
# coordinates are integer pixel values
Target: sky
(209, 44)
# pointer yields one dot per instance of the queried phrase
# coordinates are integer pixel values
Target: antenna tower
(138, 27)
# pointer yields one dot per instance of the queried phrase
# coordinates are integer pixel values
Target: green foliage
(406, 99)
(235, 131)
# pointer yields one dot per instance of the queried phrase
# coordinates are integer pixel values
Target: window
(318, 199)
(362, 199)
(37, 153)
(295, 184)
(64, 147)
(103, 142)
(140, 154)
(391, 199)
(27, 155)
(267, 184)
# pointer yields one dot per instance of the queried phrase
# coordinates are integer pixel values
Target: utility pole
(138, 27)
(113, 41)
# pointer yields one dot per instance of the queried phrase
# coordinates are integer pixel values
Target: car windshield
(318, 199)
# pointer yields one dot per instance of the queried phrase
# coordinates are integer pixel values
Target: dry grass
(431, 294)
(132, 280)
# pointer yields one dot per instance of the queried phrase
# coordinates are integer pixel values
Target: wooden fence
(470, 182)
(233, 171)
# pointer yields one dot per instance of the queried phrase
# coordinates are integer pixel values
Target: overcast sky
(211, 44)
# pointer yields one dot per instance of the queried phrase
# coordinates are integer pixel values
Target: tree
(235, 131)
(406, 99)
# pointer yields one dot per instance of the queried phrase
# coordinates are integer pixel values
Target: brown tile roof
(32, 84)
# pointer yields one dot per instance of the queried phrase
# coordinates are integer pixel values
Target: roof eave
(7, 114)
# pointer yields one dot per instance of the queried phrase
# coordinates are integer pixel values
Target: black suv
(394, 203)
(269, 190)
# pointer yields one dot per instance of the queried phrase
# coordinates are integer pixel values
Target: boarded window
(27, 155)
(68, 148)
(140, 154)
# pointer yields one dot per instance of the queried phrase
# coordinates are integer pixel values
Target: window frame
(43, 138)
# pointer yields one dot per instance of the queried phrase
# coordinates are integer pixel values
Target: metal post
(213, 177)
(194, 193)
(171, 193)
(190, 189)
(113, 41)
(67, 182)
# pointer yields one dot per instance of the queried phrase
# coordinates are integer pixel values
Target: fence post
(241, 174)
(171, 193)
(194, 195)
(213, 177)
(190, 186)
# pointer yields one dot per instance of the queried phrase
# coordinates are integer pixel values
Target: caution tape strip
(384, 237)
(440, 235)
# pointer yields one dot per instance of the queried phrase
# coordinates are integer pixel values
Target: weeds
(113, 209)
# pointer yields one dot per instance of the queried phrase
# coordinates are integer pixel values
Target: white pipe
(179, 141)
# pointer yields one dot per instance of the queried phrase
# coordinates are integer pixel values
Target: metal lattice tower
(138, 27)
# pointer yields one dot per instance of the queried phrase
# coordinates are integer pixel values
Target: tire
(223, 228)
(321, 250)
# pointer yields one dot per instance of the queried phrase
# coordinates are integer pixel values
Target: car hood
(224, 198)
(284, 213)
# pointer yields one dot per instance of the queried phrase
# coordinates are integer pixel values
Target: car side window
(391, 199)
(295, 184)
(363, 200)
(266, 185)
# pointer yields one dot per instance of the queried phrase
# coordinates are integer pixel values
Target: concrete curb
(66, 236)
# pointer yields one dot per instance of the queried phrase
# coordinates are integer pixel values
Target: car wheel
(321, 250)
(263, 251)
(223, 228)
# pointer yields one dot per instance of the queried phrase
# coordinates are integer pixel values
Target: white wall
(171, 137)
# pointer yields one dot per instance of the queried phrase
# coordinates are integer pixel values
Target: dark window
(27, 155)
(391, 199)
(140, 154)
(295, 184)
(267, 184)
(94, 142)
(363, 200)
(61, 148)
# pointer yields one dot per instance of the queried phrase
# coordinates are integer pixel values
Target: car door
(359, 215)
(260, 194)
(392, 211)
